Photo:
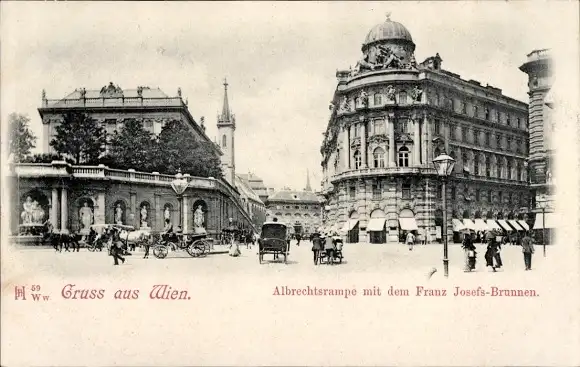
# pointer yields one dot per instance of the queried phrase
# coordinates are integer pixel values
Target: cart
(274, 240)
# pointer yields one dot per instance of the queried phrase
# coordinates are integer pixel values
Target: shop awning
(376, 224)
(493, 224)
(480, 225)
(551, 221)
(349, 225)
(468, 223)
(504, 225)
(408, 224)
(514, 223)
(457, 225)
(524, 225)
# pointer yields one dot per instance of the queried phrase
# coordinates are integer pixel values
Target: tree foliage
(80, 137)
(178, 149)
(20, 138)
(133, 147)
(47, 158)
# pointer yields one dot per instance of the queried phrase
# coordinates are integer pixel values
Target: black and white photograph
(290, 183)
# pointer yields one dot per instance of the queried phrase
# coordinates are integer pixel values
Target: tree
(20, 138)
(133, 147)
(80, 137)
(177, 148)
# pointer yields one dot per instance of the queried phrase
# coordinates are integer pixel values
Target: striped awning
(504, 225)
(524, 225)
(514, 223)
(493, 224)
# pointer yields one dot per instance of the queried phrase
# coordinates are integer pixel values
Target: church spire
(226, 109)
(308, 188)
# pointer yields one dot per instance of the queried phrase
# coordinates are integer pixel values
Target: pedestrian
(117, 248)
(316, 246)
(147, 244)
(490, 253)
(329, 248)
(298, 238)
(470, 254)
(528, 250)
(410, 239)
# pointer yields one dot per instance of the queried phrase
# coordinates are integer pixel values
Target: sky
(280, 59)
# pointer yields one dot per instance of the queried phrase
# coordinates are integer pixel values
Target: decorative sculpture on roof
(331, 107)
(179, 92)
(344, 105)
(391, 93)
(83, 93)
(111, 91)
(140, 91)
(43, 94)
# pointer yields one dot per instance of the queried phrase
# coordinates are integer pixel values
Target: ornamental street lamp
(179, 185)
(542, 205)
(444, 166)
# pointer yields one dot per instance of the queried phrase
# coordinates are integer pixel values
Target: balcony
(387, 171)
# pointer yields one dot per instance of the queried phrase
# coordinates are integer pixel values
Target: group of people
(493, 251)
(328, 244)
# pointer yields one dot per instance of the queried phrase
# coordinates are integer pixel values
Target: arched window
(357, 160)
(487, 167)
(378, 100)
(224, 141)
(404, 157)
(465, 160)
(379, 158)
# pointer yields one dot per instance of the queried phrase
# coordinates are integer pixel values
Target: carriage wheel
(160, 251)
(194, 251)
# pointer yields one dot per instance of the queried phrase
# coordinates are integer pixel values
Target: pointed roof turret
(308, 188)
(226, 108)
(226, 116)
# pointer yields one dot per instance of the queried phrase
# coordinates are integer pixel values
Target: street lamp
(179, 185)
(542, 205)
(444, 166)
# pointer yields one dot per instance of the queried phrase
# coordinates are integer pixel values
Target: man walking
(528, 250)
(410, 240)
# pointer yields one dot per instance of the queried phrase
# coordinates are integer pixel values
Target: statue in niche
(364, 98)
(344, 105)
(86, 216)
(549, 177)
(417, 93)
(144, 216)
(118, 214)
(37, 212)
(28, 207)
(198, 219)
(391, 93)
(167, 213)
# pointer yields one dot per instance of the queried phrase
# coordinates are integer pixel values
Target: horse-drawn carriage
(274, 240)
(195, 245)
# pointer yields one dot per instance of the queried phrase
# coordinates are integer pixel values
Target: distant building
(301, 210)
(539, 67)
(251, 201)
(390, 117)
(257, 185)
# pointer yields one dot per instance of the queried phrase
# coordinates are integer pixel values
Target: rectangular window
(352, 192)
(477, 195)
(509, 144)
(453, 193)
(296, 207)
(463, 107)
(475, 111)
(487, 140)
(378, 100)
(379, 127)
(487, 113)
(403, 98)
(507, 120)
(498, 142)
(500, 197)
(406, 190)
(403, 126)
(356, 132)
(519, 123)
(377, 192)
(438, 127)
(464, 134)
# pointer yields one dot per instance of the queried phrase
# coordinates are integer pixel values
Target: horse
(134, 238)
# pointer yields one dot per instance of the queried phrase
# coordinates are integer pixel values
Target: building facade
(390, 117)
(257, 185)
(539, 68)
(300, 210)
(250, 200)
(111, 106)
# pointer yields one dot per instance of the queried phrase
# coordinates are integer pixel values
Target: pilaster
(363, 140)
(64, 210)
(54, 204)
(185, 213)
(100, 208)
(416, 143)
(391, 128)
(133, 217)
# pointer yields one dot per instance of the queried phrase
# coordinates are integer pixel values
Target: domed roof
(388, 30)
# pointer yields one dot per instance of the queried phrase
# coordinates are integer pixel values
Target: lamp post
(542, 205)
(444, 166)
(179, 185)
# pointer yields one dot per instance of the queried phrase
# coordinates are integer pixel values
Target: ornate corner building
(539, 67)
(390, 116)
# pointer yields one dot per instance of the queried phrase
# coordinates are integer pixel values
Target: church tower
(308, 188)
(226, 139)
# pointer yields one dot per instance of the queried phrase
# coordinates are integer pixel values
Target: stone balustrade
(113, 102)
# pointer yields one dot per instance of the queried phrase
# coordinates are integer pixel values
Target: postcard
(290, 183)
